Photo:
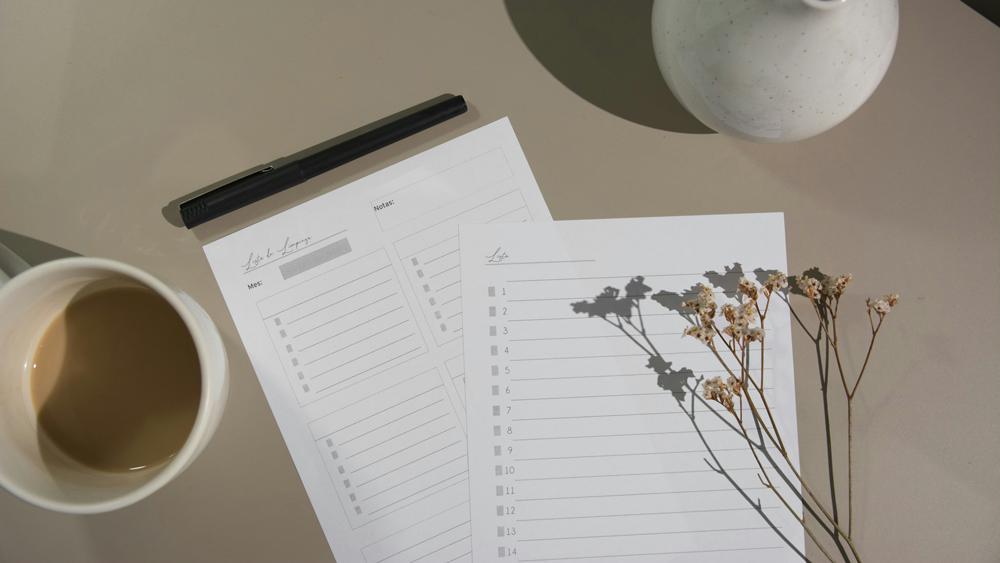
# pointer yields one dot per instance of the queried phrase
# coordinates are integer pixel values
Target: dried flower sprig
(735, 332)
(824, 294)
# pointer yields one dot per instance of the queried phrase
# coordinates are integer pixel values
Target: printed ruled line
(571, 397)
(456, 298)
(644, 514)
(404, 432)
(398, 467)
(438, 243)
(669, 452)
(435, 536)
(446, 479)
(346, 330)
(645, 474)
(511, 212)
(444, 287)
(641, 494)
(528, 263)
(356, 342)
(352, 360)
(622, 435)
(666, 354)
(459, 557)
(335, 319)
(283, 256)
(635, 534)
(460, 213)
(773, 409)
(389, 408)
(632, 296)
(398, 508)
(417, 476)
(623, 277)
(453, 315)
(642, 374)
(585, 337)
(436, 258)
(442, 548)
(339, 301)
(379, 392)
(614, 555)
(399, 451)
(362, 372)
(381, 426)
(585, 317)
(335, 288)
(397, 532)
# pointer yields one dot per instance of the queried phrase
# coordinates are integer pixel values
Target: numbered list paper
(349, 306)
(589, 437)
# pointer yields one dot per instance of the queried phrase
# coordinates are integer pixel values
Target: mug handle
(10, 264)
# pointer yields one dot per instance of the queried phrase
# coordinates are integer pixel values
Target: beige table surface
(111, 109)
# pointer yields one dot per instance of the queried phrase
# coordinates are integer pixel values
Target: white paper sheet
(576, 452)
(349, 306)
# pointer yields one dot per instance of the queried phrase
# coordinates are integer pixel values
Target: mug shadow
(32, 251)
(603, 52)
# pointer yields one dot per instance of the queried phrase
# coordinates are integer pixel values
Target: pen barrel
(370, 141)
(240, 193)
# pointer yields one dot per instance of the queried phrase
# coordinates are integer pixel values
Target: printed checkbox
(295, 361)
(329, 442)
(495, 390)
(498, 469)
(493, 331)
(427, 288)
(413, 261)
(334, 454)
(501, 552)
(496, 430)
(420, 273)
(496, 410)
(282, 333)
(353, 497)
(492, 291)
(301, 375)
(494, 370)
(357, 510)
(500, 513)
(432, 301)
(496, 451)
(305, 388)
(340, 469)
(499, 490)
(493, 311)
(288, 347)
(277, 321)
(347, 483)
(494, 350)
(499, 531)
(437, 314)
(444, 327)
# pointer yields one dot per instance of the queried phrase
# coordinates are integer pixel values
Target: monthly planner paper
(349, 307)
(589, 439)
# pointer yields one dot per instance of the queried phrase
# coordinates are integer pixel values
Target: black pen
(283, 174)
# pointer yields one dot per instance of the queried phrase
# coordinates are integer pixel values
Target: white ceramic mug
(29, 301)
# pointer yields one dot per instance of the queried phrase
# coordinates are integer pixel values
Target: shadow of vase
(603, 51)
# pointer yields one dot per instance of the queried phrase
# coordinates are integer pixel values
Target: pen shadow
(603, 52)
(621, 308)
(171, 211)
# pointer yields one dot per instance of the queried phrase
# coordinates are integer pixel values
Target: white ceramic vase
(774, 70)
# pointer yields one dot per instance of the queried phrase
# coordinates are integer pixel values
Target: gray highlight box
(315, 258)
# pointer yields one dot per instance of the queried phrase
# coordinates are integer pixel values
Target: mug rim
(169, 470)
